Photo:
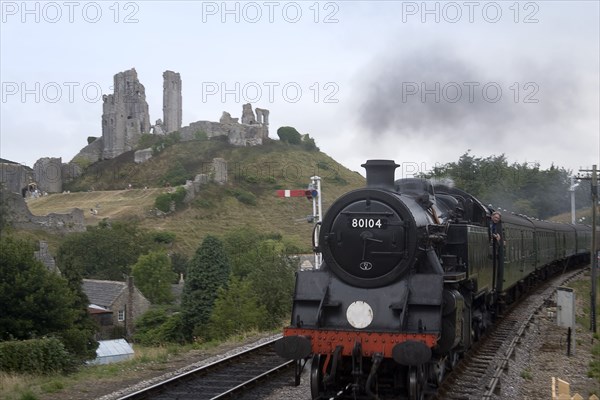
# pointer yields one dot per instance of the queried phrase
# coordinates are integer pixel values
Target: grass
(582, 290)
(248, 198)
(526, 374)
(23, 387)
(594, 368)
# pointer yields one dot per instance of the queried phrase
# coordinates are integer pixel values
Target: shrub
(178, 196)
(164, 237)
(176, 175)
(35, 356)
(245, 197)
(166, 141)
(309, 143)
(289, 135)
(200, 135)
(157, 327)
(163, 202)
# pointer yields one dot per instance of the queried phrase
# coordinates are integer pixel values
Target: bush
(176, 175)
(245, 197)
(309, 143)
(163, 202)
(201, 135)
(164, 237)
(289, 135)
(165, 142)
(157, 327)
(179, 196)
(35, 356)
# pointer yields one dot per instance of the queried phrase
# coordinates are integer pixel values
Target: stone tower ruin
(47, 172)
(124, 115)
(172, 114)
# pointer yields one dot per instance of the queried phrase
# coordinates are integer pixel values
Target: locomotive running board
(454, 277)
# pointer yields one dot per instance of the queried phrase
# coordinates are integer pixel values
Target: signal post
(313, 192)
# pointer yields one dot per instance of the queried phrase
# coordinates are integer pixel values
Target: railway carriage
(410, 280)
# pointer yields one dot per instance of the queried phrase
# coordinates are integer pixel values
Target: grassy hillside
(254, 174)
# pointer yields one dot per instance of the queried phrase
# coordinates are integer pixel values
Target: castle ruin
(172, 110)
(124, 115)
(125, 118)
(47, 173)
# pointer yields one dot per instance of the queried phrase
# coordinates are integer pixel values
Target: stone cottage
(115, 305)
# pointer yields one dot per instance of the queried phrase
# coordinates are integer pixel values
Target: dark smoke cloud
(388, 108)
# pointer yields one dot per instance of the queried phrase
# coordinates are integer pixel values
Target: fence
(561, 390)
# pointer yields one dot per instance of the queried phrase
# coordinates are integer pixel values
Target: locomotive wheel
(416, 383)
(317, 388)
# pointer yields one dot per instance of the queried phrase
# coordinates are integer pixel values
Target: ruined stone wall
(172, 104)
(251, 133)
(143, 155)
(20, 217)
(125, 115)
(43, 255)
(70, 172)
(47, 173)
(90, 153)
(14, 177)
(238, 134)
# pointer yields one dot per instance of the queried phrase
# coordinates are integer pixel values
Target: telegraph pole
(594, 179)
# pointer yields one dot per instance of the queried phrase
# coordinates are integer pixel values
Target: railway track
(224, 379)
(479, 375)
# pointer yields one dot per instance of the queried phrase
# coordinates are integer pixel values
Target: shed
(111, 351)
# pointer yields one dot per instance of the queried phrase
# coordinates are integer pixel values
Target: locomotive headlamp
(359, 314)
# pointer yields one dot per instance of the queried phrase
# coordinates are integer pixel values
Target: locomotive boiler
(409, 280)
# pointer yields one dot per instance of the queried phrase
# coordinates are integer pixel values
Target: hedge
(35, 356)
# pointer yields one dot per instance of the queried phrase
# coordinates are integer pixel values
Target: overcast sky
(417, 82)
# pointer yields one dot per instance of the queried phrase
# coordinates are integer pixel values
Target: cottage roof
(103, 293)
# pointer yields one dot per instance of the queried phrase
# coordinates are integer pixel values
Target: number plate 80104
(367, 223)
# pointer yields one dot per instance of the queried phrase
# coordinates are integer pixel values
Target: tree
(520, 188)
(289, 135)
(237, 309)
(36, 302)
(239, 243)
(262, 261)
(272, 279)
(179, 264)
(104, 252)
(207, 271)
(309, 143)
(153, 276)
(159, 326)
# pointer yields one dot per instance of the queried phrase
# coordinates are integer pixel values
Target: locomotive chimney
(380, 173)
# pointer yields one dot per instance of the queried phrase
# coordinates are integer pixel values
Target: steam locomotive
(410, 279)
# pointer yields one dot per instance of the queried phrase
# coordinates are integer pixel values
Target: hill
(254, 174)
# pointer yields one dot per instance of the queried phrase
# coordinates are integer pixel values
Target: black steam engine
(410, 279)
